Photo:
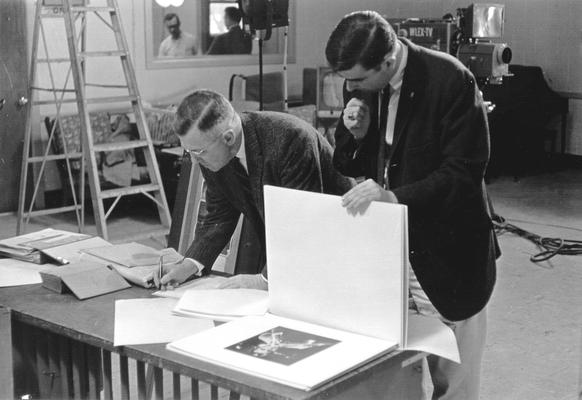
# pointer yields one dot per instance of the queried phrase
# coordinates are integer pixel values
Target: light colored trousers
(446, 380)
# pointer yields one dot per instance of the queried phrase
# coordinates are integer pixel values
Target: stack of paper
(208, 282)
(30, 247)
(143, 321)
(222, 304)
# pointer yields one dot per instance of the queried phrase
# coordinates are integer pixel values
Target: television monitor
(329, 101)
(484, 21)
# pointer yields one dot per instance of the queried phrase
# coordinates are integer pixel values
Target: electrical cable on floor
(549, 246)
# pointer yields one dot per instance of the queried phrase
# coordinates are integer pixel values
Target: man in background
(178, 43)
(415, 128)
(238, 155)
(235, 40)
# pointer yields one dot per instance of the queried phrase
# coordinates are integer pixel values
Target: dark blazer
(234, 41)
(437, 162)
(281, 150)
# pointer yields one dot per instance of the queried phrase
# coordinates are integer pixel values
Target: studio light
(168, 3)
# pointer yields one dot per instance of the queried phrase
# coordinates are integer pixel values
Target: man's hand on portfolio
(356, 118)
(245, 281)
(361, 195)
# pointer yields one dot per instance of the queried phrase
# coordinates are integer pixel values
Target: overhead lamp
(168, 3)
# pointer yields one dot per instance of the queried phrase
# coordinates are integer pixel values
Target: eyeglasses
(197, 153)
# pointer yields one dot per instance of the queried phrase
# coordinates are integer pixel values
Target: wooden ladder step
(124, 191)
(54, 157)
(113, 146)
(52, 15)
(92, 9)
(53, 60)
(108, 53)
(94, 100)
(52, 90)
(111, 99)
(58, 210)
(47, 102)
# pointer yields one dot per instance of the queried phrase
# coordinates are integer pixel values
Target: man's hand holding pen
(171, 275)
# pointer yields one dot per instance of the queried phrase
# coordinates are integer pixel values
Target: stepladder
(82, 76)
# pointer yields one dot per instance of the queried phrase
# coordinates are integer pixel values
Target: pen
(62, 261)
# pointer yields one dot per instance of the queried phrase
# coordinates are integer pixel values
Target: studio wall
(547, 33)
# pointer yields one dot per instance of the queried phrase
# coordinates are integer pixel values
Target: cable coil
(549, 247)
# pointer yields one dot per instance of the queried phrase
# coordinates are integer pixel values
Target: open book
(338, 287)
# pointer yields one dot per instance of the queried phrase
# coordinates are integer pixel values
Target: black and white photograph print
(283, 345)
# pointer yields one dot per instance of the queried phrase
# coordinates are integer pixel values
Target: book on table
(338, 287)
(83, 279)
(49, 245)
(137, 263)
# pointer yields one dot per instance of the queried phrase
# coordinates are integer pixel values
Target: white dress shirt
(395, 86)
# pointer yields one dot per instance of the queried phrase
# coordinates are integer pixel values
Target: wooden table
(55, 346)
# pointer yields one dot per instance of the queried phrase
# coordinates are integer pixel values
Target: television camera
(469, 37)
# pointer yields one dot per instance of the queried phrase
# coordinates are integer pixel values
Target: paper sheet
(432, 336)
(133, 254)
(209, 282)
(223, 304)
(143, 321)
(73, 252)
(333, 268)
(16, 273)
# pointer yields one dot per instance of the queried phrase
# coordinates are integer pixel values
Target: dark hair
(171, 16)
(361, 37)
(233, 13)
(203, 109)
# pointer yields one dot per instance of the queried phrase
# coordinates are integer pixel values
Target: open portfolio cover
(338, 293)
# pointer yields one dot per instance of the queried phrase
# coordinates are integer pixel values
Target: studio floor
(534, 343)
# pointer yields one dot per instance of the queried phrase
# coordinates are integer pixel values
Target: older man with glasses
(238, 155)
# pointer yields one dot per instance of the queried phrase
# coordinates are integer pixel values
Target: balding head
(202, 109)
(209, 129)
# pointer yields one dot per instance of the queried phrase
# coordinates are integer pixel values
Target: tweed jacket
(281, 150)
(436, 166)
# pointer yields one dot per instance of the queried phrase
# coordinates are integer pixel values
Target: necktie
(383, 147)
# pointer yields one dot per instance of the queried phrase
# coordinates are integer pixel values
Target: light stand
(263, 16)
